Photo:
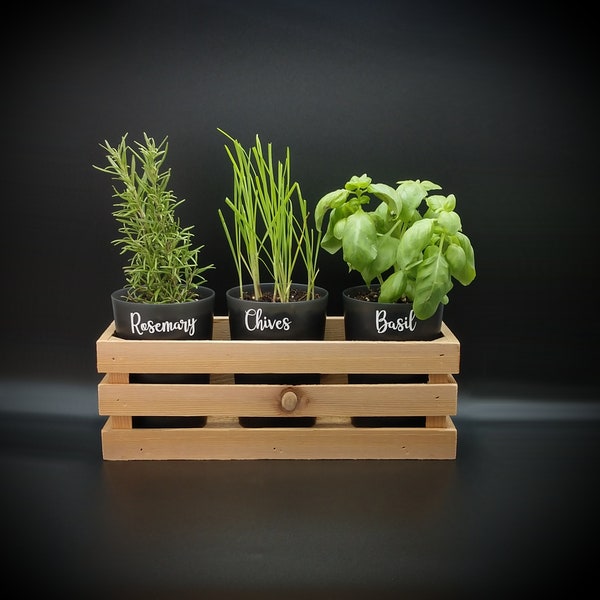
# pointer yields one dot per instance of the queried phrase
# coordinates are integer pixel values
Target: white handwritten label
(255, 321)
(140, 327)
(382, 324)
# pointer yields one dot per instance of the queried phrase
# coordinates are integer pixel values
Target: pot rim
(207, 294)
(231, 292)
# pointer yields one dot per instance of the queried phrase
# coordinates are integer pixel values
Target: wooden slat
(244, 356)
(231, 442)
(417, 399)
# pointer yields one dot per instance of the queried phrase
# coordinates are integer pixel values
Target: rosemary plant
(270, 231)
(163, 264)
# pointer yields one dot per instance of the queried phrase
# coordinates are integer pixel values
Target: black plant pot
(274, 321)
(174, 321)
(375, 321)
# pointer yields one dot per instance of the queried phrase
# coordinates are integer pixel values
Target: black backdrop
(492, 101)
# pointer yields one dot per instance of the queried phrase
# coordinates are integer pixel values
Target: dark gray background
(492, 101)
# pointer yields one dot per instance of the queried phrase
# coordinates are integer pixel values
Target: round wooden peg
(289, 400)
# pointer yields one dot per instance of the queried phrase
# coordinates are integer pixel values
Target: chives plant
(270, 233)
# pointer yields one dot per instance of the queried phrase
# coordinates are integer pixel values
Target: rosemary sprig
(163, 265)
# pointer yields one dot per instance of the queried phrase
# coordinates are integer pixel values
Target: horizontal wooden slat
(228, 441)
(243, 356)
(417, 399)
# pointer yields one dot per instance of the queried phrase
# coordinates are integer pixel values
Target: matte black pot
(258, 320)
(375, 321)
(173, 321)
(274, 321)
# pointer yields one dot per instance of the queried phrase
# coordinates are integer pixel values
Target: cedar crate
(218, 404)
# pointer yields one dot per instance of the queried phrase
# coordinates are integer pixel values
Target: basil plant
(411, 243)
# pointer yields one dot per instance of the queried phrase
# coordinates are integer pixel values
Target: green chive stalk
(270, 231)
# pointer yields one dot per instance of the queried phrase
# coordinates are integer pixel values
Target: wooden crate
(213, 409)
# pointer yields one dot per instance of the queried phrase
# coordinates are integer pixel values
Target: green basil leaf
(433, 283)
(416, 238)
(437, 202)
(450, 222)
(329, 201)
(358, 183)
(388, 195)
(411, 194)
(386, 248)
(456, 258)
(358, 241)
(468, 273)
(392, 289)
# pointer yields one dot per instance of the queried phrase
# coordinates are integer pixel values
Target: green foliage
(411, 243)
(163, 264)
(270, 231)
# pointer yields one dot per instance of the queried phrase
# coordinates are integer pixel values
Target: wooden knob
(289, 400)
